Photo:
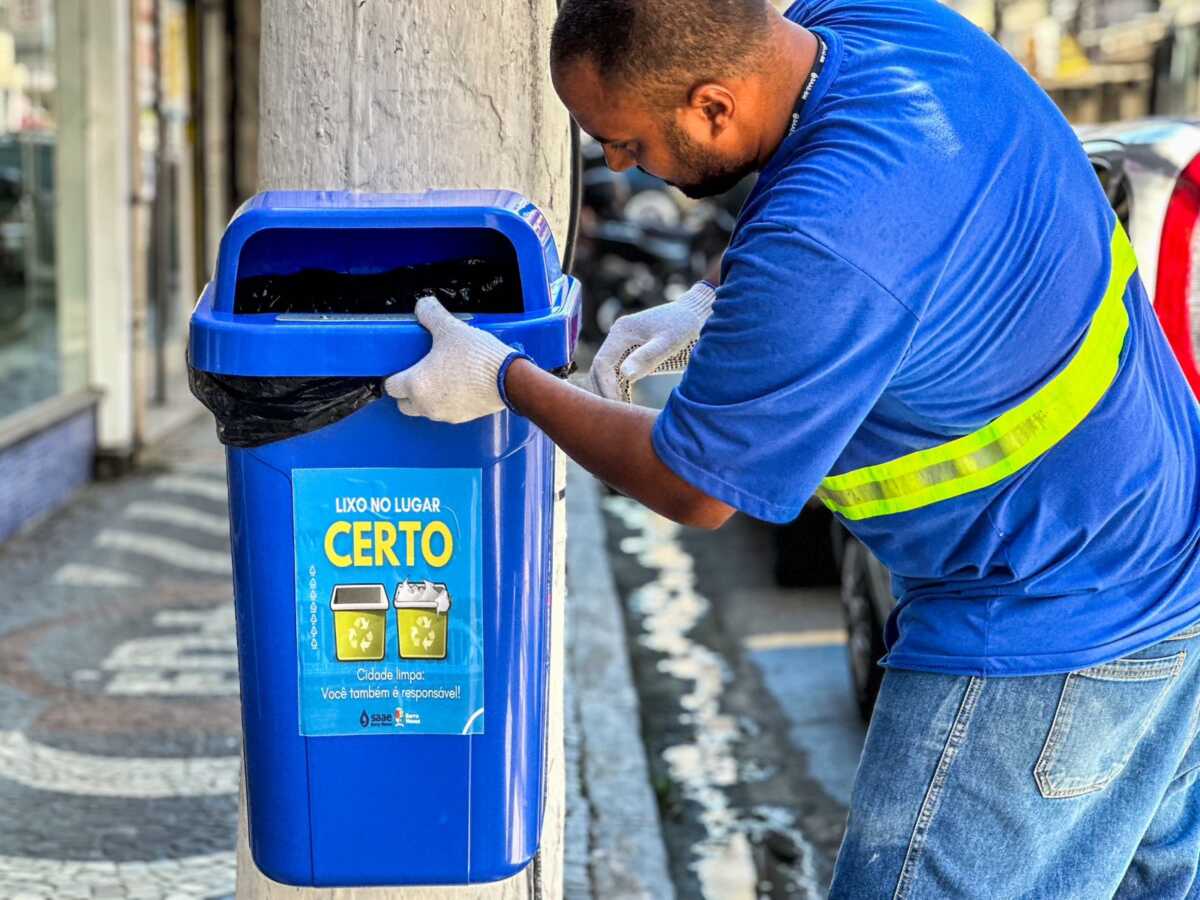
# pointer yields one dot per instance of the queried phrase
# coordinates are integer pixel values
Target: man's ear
(715, 104)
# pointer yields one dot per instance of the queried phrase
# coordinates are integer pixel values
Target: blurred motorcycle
(641, 243)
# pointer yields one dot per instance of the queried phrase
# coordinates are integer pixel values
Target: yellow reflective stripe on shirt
(1012, 440)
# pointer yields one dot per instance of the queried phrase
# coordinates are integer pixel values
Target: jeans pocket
(1190, 632)
(1102, 714)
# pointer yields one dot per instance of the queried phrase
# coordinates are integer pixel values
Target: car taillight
(1177, 297)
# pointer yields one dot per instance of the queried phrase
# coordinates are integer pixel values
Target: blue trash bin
(392, 575)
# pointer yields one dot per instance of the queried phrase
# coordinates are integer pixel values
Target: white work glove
(659, 338)
(457, 380)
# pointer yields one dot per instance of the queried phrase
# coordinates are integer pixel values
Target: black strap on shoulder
(809, 83)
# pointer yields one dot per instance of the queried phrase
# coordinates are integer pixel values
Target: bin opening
(357, 597)
(376, 271)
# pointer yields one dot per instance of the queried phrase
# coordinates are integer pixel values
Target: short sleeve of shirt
(799, 347)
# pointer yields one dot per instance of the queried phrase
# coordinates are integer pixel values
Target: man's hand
(653, 335)
(457, 380)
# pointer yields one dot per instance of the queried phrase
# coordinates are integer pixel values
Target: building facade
(119, 166)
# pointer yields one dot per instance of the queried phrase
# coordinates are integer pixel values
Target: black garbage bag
(462, 285)
(252, 411)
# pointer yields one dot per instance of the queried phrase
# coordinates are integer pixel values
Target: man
(929, 316)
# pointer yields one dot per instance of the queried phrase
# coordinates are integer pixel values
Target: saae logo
(366, 720)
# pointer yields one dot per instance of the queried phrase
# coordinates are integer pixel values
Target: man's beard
(708, 173)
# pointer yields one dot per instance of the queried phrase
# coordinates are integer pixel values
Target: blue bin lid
(285, 232)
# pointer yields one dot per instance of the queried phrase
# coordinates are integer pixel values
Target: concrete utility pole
(405, 95)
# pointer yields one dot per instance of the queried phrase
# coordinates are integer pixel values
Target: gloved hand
(457, 381)
(638, 343)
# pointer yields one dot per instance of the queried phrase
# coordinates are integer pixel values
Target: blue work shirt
(923, 253)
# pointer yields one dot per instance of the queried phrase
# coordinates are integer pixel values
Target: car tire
(804, 554)
(864, 624)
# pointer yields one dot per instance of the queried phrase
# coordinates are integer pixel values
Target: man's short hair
(662, 46)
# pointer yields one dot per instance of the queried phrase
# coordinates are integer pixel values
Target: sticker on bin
(380, 543)
(421, 617)
(359, 621)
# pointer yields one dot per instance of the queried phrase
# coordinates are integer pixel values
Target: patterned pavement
(119, 730)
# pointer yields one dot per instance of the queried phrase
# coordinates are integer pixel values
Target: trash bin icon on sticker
(359, 621)
(422, 616)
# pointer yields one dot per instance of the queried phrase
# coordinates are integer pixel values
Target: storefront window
(42, 333)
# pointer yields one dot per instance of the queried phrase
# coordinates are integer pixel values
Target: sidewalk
(119, 723)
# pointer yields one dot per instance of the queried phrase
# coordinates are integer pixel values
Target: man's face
(703, 171)
(674, 145)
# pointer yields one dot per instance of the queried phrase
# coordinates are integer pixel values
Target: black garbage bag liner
(252, 411)
(462, 286)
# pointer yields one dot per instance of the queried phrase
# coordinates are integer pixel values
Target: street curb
(625, 853)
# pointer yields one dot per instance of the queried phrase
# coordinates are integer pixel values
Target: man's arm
(458, 381)
(612, 441)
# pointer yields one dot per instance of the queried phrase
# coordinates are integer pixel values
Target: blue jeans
(1075, 786)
